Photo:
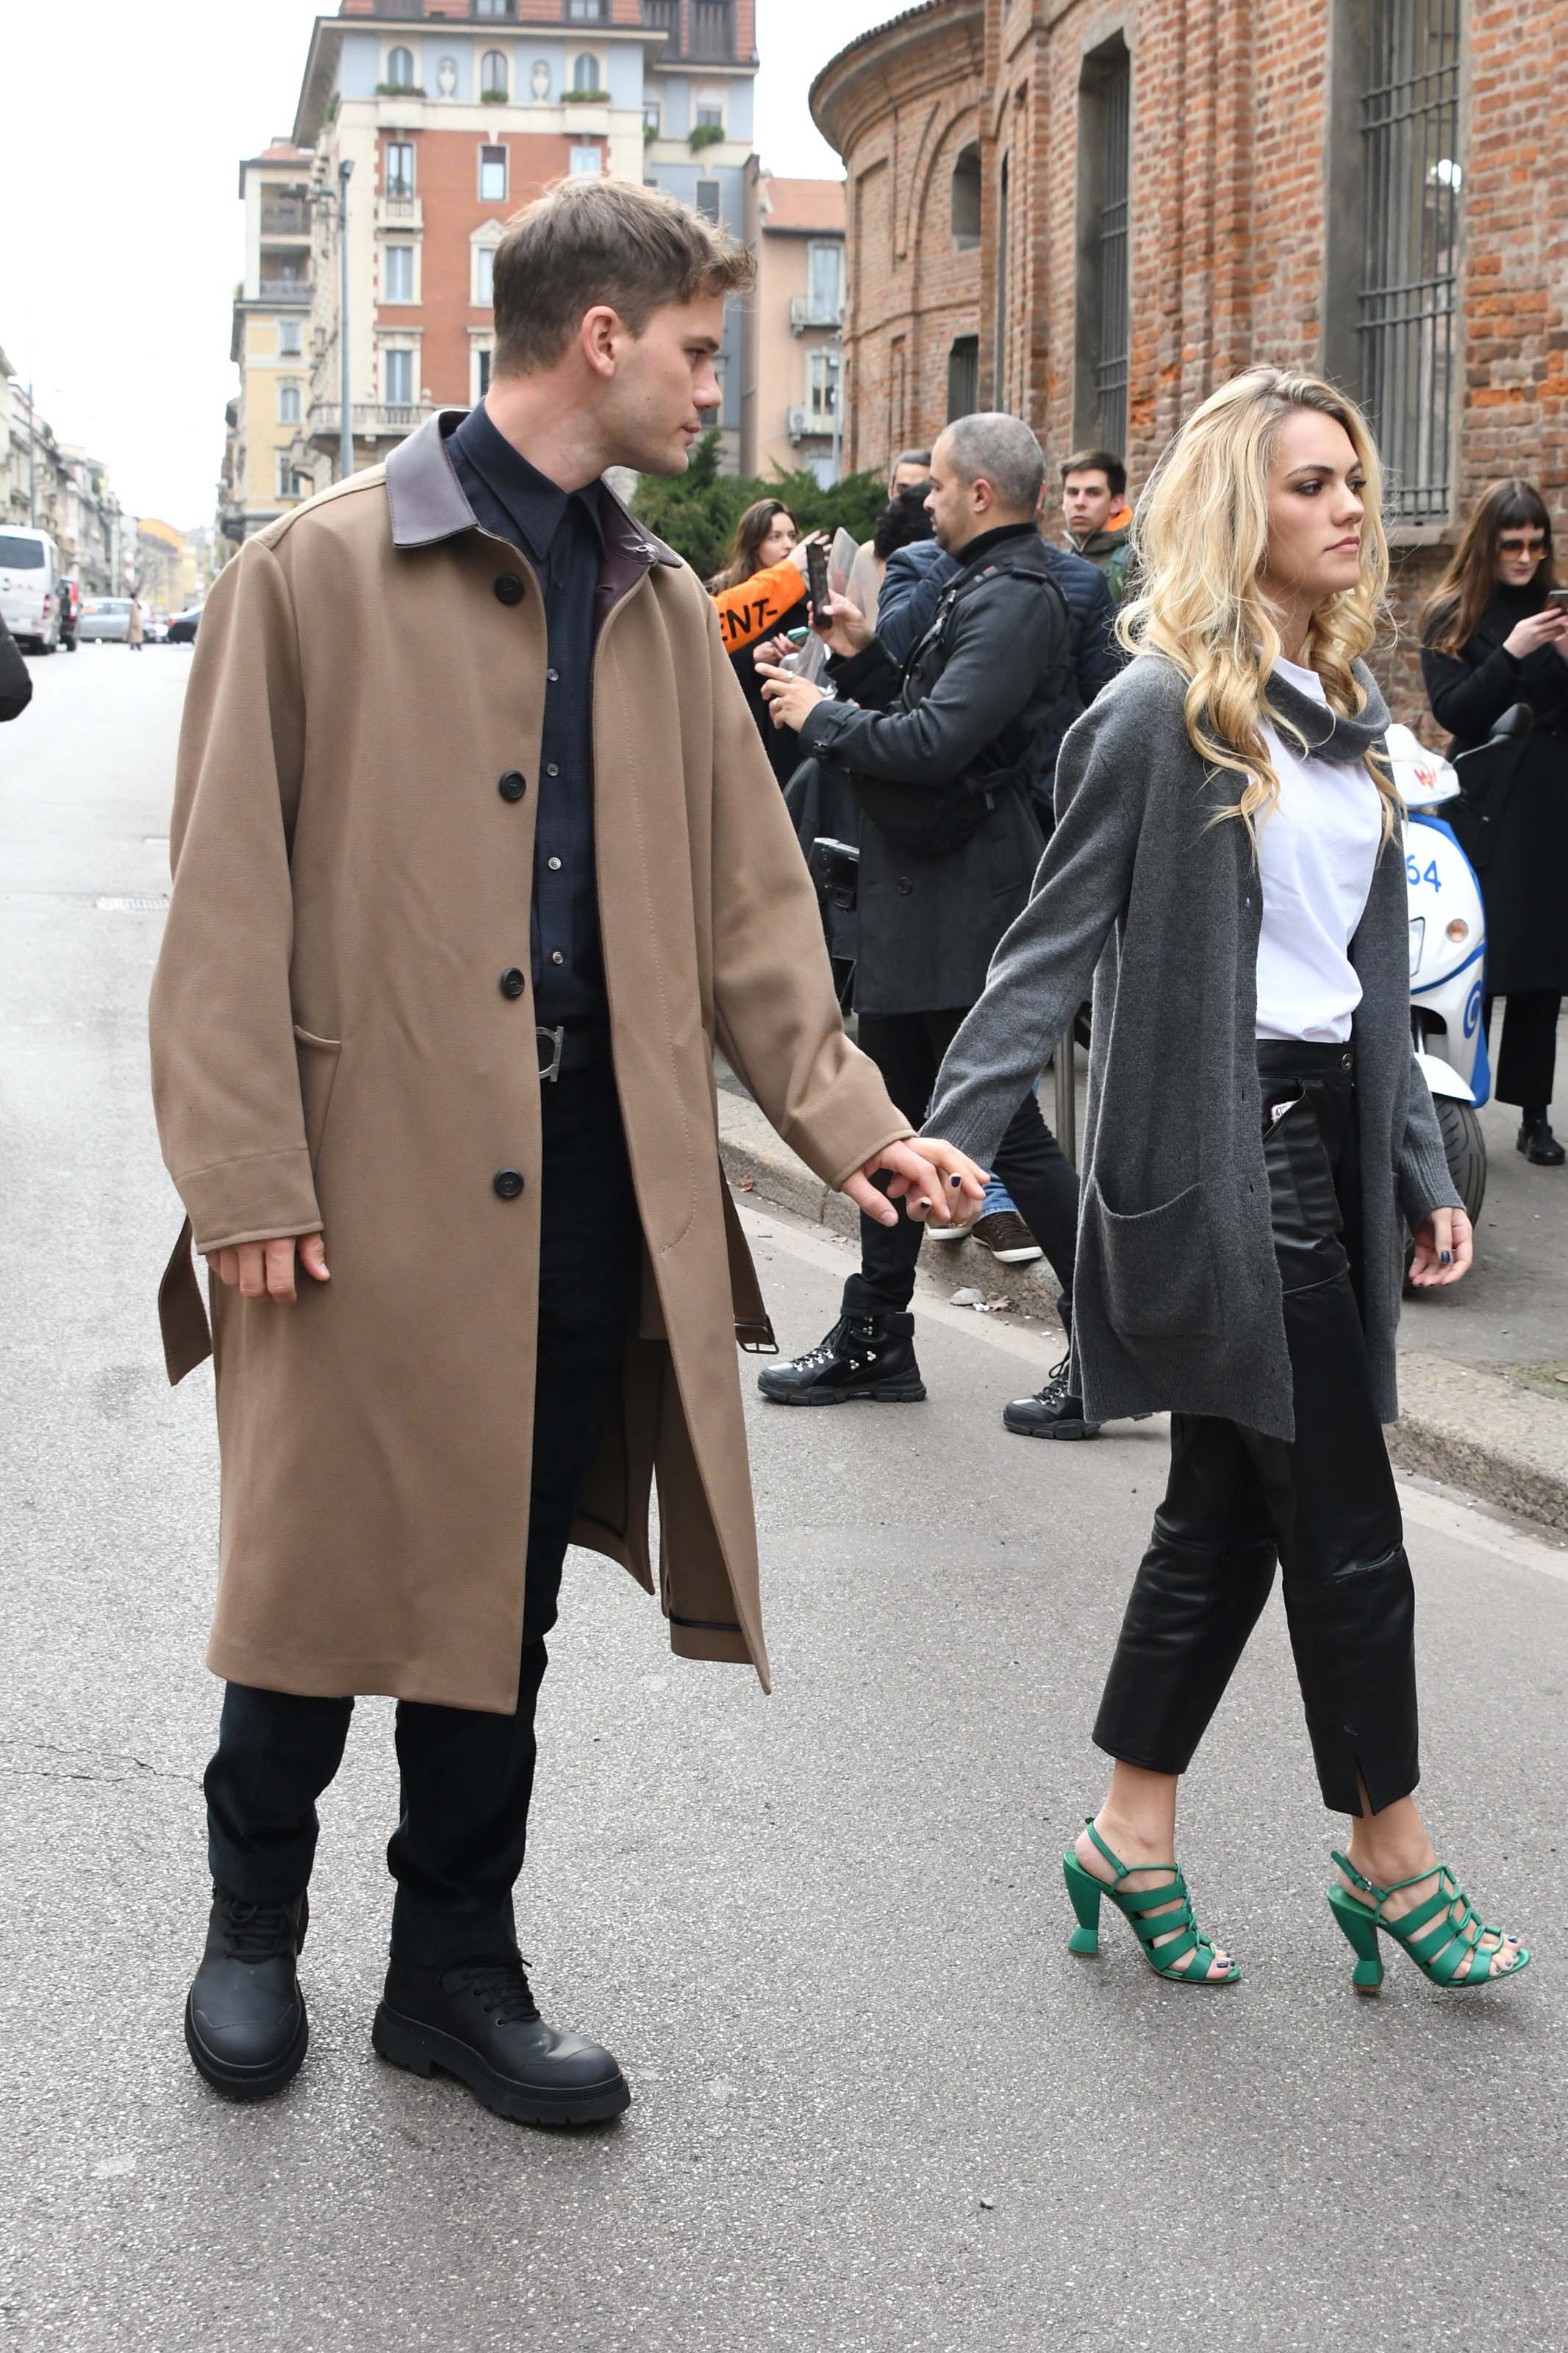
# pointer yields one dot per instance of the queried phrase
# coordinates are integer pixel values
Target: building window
(492, 175)
(650, 115)
(1105, 98)
(1410, 148)
(400, 69)
(585, 163)
(586, 71)
(399, 167)
(587, 12)
(397, 273)
(821, 389)
(966, 198)
(708, 199)
(963, 376)
(493, 74)
(484, 274)
(286, 484)
(288, 403)
(290, 340)
(825, 283)
(483, 360)
(495, 7)
(397, 369)
(709, 110)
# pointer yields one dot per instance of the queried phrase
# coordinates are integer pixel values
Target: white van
(30, 587)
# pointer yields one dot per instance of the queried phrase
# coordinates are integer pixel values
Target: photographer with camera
(943, 754)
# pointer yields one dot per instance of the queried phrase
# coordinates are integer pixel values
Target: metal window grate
(1110, 366)
(1407, 327)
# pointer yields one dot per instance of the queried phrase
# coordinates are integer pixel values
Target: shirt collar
(537, 505)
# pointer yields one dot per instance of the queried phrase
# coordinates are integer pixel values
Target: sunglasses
(1523, 543)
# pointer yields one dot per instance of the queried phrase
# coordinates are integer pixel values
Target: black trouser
(908, 1048)
(1323, 1504)
(467, 1775)
(1527, 1059)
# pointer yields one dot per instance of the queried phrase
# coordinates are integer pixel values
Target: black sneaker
(1537, 1143)
(482, 2024)
(245, 2015)
(1052, 1413)
(863, 1356)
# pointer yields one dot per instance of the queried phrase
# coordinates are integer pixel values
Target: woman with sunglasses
(1491, 638)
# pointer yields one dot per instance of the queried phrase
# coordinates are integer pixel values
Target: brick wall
(1231, 181)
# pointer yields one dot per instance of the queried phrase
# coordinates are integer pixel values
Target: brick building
(453, 114)
(1092, 212)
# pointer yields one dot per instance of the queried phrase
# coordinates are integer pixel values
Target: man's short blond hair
(587, 241)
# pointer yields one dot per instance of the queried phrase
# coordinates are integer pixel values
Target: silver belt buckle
(552, 1070)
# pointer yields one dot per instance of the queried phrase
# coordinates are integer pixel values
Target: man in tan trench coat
(476, 858)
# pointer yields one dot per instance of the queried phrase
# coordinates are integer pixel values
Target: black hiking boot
(245, 2015)
(1052, 1413)
(863, 1356)
(1537, 1143)
(482, 2024)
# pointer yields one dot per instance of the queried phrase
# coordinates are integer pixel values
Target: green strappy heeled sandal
(1442, 1935)
(1185, 1954)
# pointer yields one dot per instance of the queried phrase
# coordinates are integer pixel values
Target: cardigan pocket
(1160, 1280)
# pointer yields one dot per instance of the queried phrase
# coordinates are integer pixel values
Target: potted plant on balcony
(584, 98)
(707, 134)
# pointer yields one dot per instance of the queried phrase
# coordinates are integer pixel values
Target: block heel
(1361, 1934)
(1085, 1892)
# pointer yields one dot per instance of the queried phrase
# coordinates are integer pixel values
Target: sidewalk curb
(1467, 1425)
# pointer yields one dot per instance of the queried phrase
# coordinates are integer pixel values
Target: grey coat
(1176, 1298)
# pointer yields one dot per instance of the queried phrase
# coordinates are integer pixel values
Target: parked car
(155, 627)
(70, 609)
(182, 628)
(105, 619)
(30, 587)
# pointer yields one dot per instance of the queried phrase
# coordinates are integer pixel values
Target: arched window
(585, 72)
(400, 69)
(492, 73)
(966, 198)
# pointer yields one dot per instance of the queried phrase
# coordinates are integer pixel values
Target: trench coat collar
(428, 503)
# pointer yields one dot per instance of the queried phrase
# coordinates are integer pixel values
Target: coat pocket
(1160, 1280)
(317, 1059)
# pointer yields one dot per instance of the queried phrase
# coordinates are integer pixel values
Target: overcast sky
(123, 234)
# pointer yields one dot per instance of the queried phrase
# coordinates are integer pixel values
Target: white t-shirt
(1316, 851)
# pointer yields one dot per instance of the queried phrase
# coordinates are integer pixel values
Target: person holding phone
(1495, 633)
(764, 582)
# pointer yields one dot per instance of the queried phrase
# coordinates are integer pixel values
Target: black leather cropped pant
(1323, 1504)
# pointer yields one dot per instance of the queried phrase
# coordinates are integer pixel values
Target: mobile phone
(817, 577)
(1558, 598)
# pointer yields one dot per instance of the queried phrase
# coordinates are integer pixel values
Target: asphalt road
(877, 2106)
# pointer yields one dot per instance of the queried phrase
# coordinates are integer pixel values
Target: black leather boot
(245, 2015)
(1537, 1142)
(863, 1356)
(1055, 1411)
(480, 2023)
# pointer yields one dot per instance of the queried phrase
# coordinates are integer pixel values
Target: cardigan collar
(1329, 734)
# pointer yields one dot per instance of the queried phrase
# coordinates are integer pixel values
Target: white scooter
(1448, 961)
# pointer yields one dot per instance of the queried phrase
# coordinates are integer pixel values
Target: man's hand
(1443, 1250)
(937, 1183)
(266, 1269)
(844, 626)
(790, 700)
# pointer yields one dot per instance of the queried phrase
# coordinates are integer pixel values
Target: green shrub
(707, 134)
(399, 90)
(492, 97)
(584, 98)
(696, 512)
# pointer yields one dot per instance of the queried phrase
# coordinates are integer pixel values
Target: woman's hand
(1547, 628)
(1444, 1247)
(797, 552)
(936, 1181)
(844, 626)
(790, 700)
(772, 650)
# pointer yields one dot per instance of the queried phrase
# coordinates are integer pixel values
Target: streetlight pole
(346, 449)
(32, 455)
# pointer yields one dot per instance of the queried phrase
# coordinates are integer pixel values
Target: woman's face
(1520, 552)
(1315, 511)
(777, 542)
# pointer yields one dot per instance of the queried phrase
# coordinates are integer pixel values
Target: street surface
(877, 2106)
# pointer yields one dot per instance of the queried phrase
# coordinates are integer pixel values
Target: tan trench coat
(331, 1051)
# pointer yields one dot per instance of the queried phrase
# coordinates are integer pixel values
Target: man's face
(951, 503)
(1086, 500)
(663, 394)
(906, 476)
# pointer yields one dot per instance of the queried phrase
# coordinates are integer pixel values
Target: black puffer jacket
(969, 716)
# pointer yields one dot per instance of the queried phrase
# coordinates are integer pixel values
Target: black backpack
(934, 821)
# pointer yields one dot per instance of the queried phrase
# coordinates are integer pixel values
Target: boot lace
(501, 1988)
(1055, 1391)
(256, 1931)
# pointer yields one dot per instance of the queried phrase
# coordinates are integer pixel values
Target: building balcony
(281, 218)
(283, 289)
(403, 213)
(802, 426)
(710, 30)
(810, 311)
(374, 420)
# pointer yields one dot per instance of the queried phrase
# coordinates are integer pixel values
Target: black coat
(15, 680)
(970, 708)
(1517, 836)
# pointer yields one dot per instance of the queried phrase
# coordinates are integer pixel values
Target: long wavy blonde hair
(1200, 542)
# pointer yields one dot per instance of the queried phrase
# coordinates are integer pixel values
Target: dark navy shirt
(561, 534)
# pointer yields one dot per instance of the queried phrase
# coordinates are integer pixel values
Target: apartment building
(452, 115)
(272, 310)
(789, 400)
(60, 489)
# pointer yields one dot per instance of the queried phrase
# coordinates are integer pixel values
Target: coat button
(510, 588)
(512, 785)
(905, 886)
(511, 982)
(508, 1183)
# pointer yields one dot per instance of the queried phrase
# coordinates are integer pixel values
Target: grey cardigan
(1176, 1296)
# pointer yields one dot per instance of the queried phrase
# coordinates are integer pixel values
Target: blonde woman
(1226, 865)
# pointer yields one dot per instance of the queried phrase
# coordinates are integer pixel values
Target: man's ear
(598, 337)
